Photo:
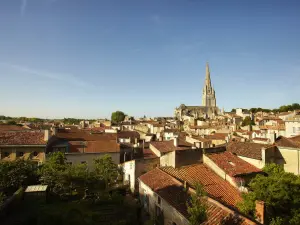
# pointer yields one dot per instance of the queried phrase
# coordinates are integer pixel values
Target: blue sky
(87, 58)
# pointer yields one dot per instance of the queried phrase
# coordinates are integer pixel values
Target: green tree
(2, 197)
(117, 116)
(281, 193)
(11, 122)
(233, 110)
(17, 173)
(106, 169)
(247, 121)
(197, 207)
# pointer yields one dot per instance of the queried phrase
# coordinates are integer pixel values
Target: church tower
(209, 95)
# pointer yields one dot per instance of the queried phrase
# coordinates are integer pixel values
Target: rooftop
(22, 138)
(286, 142)
(168, 146)
(215, 186)
(232, 165)
(246, 149)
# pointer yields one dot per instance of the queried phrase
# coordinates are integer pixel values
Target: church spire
(207, 77)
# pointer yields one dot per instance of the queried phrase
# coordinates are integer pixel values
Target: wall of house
(219, 171)
(289, 125)
(188, 157)
(171, 215)
(168, 159)
(133, 169)
(154, 150)
(28, 153)
(77, 158)
(291, 159)
(255, 162)
(218, 142)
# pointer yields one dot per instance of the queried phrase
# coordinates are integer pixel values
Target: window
(6, 154)
(158, 200)
(21, 154)
(35, 153)
(294, 129)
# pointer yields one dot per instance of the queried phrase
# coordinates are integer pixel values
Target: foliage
(233, 110)
(71, 121)
(2, 197)
(11, 122)
(106, 169)
(117, 116)
(283, 108)
(14, 174)
(197, 206)
(247, 121)
(281, 193)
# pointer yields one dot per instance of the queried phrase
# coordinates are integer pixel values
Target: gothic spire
(207, 77)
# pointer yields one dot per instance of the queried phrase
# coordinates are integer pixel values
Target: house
(169, 134)
(292, 126)
(83, 147)
(165, 198)
(27, 145)
(134, 168)
(132, 137)
(5, 127)
(243, 113)
(231, 168)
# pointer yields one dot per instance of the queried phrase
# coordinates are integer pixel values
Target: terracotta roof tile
(11, 128)
(22, 138)
(172, 191)
(128, 134)
(231, 164)
(215, 186)
(102, 146)
(246, 149)
(296, 139)
(168, 146)
(286, 142)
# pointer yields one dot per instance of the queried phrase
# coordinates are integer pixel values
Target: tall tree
(281, 193)
(117, 116)
(197, 206)
(247, 121)
(106, 170)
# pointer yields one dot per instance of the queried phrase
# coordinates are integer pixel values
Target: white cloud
(68, 78)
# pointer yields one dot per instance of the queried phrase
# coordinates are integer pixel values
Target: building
(209, 107)
(292, 125)
(27, 145)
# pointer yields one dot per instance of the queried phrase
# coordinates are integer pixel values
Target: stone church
(209, 107)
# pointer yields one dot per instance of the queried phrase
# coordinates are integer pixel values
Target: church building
(209, 107)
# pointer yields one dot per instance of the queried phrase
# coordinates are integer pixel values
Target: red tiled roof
(102, 146)
(296, 139)
(11, 128)
(286, 142)
(202, 139)
(22, 138)
(260, 139)
(246, 149)
(231, 164)
(217, 136)
(214, 185)
(148, 154)
(168, 146)
(128, 134)
(79, 135)
(172, 192)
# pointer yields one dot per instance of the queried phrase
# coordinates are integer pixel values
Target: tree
(233, 110)
(247, 121)
(197, 206)
(106, 170)
(17, 173)
(11, 122)
(2, 197)
(280, 192)
(117, 116)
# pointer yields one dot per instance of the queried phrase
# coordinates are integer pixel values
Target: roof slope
(168, 146)
(172, 191)
(231, 164)
(215, 186)
(286, 142)
(6, 127)
(22, 138)
(246, 149)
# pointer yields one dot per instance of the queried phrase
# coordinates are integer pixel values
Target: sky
(88, 58)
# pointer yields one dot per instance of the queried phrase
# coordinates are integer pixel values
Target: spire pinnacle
(207, 77)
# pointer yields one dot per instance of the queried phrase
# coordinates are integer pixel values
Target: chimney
(176, 141)
(46, 135)
(54, 131)
(260, 211)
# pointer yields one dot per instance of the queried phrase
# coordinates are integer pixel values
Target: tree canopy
(280, 192)
(197, 206)
(117, 116)
(248, 121)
